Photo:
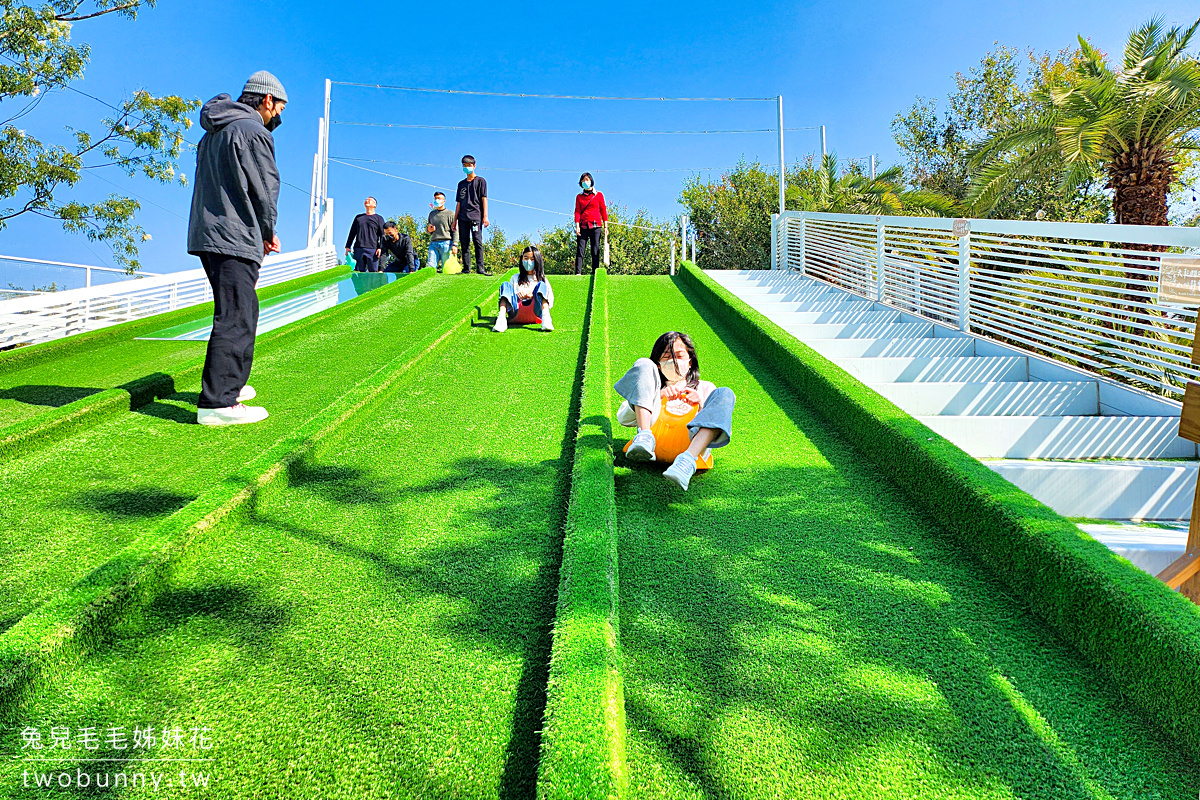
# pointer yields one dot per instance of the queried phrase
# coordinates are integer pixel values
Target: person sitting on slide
(679, 417)
(527, 298)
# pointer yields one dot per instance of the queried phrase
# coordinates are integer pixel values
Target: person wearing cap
(232, 226)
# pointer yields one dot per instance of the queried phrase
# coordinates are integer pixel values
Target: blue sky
(850, 66)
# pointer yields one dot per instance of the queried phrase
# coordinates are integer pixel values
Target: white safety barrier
(53, 315)
(1085, 294)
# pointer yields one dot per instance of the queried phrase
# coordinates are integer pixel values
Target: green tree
(1134, 123)
(852, 192)
(144, 134)
(1004, 86)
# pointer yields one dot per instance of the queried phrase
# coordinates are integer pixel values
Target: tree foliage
(1004, 86)
(143, 134)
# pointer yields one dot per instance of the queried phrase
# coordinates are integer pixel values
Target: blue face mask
(527, 265)
(468, 170)
(439, 202)
(585, 185)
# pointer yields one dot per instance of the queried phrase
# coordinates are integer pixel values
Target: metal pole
(822, 141)
(872, 167)
(325, 156)
(683, 233)
(694, 248)
(782, 166)
(672, 254)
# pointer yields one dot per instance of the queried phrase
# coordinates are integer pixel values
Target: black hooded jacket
(236, 190)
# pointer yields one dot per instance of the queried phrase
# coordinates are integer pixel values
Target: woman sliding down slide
(679, 417)
(527, 298)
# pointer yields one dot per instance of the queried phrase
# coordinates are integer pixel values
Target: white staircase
(1037, 422)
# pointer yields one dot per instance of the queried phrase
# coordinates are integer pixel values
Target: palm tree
(855, 193)
(1133, 123)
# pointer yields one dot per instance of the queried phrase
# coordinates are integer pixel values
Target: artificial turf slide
(70, 507)
(82, 344)
(583, 738)
(378, 627)
(1141, 635)
(161, 369)
(794, 625)
(48, 639)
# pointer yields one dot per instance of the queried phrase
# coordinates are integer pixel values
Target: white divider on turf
(55, 315)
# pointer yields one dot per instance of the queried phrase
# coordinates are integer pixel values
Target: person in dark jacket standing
(366, 233)
(232, 227)
(471, 216)
(591, 215)
(398, 245)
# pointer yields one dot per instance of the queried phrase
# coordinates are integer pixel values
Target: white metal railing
(1085, 294)
(53, 315)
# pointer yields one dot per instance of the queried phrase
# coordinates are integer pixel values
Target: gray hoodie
(236, 183)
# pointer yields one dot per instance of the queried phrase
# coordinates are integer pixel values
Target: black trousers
(586, 235)
(235, 320)
(469, 231)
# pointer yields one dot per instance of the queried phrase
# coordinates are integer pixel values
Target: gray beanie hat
(263, 82)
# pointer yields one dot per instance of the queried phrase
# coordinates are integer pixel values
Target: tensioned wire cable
(492, 199)
(525, 169)
(559, 96)
(547, 130)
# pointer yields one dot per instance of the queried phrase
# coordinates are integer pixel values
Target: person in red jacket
(591, 217)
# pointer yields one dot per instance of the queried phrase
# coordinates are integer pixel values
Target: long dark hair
(539, 265)
(666, 344)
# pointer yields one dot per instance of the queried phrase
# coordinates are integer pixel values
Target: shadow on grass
(47, 395)
(169, 408)
(806, 621)
(147, 501)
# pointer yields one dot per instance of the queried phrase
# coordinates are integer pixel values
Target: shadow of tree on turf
(47, 394)
(145, 501)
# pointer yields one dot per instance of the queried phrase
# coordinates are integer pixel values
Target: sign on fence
(1179, 280)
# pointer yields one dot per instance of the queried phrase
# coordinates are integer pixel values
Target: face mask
(527, 265)
(275, 121)
(585, 186)
(439, 203)
(668, 369)
(468, 170)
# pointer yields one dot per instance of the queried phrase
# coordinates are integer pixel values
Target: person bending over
(679, 417)
(527, 297)
(398, 245)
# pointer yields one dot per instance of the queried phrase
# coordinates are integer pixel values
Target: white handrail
(1079, 292)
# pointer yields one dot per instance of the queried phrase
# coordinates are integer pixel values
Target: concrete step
(1007, 398)
(1064, 437)
(829, 302)
(975, 369)
(1153, 490)
(858, 330)
(797, 300)
(1150, 548)
(923, 347)
(855, 313)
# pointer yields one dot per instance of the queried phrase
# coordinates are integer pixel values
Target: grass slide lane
(380, 627)
(68, 507)
(793, 627)
(41, 378)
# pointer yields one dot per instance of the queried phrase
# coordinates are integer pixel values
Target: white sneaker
(642, 447)
(547, 323)
(501, 323)
(234, 415)
(247, 393)
(681, 470)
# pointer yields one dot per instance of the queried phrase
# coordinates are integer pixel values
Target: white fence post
(801, 225)
(774, 241)
(880, 271)
(785, 229)
(672, 253)
(962, 229)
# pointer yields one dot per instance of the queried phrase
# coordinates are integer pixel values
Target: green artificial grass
(39, 421)
(378, 626)
(795, 626)
(71, 506)
(105, 357)
(1141, 635)
(583, 738)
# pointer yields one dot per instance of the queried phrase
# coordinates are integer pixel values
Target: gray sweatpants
(640, 386)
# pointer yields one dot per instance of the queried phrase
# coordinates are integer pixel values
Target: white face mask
(668, 369)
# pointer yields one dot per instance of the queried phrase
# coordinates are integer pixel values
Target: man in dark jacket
(232, 227)
(366, 233)
(398, 245)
